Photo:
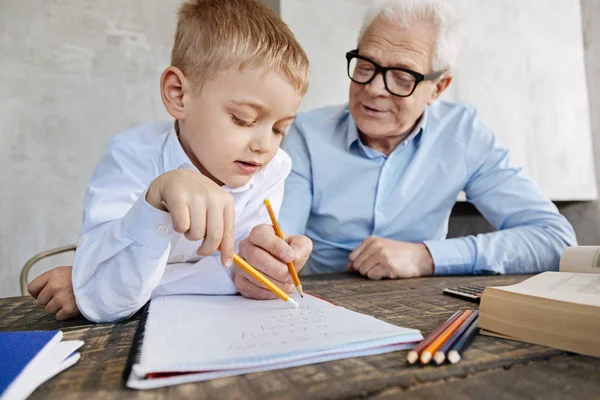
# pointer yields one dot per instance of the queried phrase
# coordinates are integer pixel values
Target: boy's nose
(262, 142)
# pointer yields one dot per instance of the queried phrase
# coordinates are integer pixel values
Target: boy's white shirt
(128, 251)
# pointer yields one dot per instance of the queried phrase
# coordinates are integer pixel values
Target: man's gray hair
(405, 12)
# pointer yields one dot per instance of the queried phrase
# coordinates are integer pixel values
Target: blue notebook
(29, 358)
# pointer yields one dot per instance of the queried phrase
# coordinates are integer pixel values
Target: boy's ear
(173, 88)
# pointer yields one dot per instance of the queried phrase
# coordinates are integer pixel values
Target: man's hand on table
(378, 258)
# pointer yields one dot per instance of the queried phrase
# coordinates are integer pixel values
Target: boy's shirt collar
(174, 157)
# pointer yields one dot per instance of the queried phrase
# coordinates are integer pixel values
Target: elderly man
(373, 181)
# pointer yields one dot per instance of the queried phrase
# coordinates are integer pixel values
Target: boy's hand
(265, 251)
(54, 289)
(199, 209)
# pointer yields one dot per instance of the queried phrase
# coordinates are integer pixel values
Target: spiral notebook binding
(135, 353)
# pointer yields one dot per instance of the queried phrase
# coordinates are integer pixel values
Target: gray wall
(73, 73)
(585, 216)
(273, 5)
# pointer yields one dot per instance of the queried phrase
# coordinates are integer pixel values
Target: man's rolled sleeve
(452, 256)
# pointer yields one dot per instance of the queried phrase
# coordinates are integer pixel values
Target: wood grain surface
(491, 368)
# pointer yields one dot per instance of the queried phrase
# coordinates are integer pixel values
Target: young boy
(165, 196)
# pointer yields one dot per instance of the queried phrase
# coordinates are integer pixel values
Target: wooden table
(491, 368)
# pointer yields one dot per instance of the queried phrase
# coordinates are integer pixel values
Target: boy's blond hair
(215, 34)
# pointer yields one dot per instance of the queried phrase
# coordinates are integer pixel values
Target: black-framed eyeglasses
(400, 82)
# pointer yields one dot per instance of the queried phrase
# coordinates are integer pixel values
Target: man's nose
(377, 86)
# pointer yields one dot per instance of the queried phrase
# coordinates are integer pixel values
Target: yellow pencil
(240, 262)
(291, 268)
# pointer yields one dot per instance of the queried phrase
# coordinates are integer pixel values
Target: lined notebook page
(207, 333)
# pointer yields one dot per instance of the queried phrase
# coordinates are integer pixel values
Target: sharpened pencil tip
(300, 291)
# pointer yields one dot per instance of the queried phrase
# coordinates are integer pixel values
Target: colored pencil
(427, 354)
(413, 355)
(440, 356)
(463, 342)
(290, 265)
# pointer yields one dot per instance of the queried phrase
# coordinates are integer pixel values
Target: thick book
(554, 309)
(30, 358)
(186, 338)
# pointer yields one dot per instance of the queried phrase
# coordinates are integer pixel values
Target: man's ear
(441, 85)
(173, 88)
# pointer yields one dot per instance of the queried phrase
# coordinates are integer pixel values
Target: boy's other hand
(54, 289)
(269, 254)
(199, 208)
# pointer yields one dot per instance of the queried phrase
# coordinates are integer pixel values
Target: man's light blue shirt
(340, 192)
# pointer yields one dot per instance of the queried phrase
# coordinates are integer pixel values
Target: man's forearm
(518, 250)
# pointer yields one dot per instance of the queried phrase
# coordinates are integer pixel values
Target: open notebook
(188, 338)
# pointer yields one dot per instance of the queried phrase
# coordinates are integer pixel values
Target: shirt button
(380, 207)
(162, 229)
(180, 258)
